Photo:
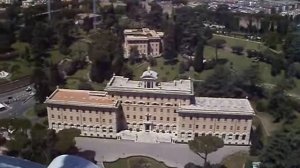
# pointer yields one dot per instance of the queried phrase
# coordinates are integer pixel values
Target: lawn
(247, 44)
(17, 67)
(236, 160)
(20, 47)
(81, 75)
(132, 162)
(166, 72)
(30, 113)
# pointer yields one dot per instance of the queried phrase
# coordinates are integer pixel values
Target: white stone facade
(163, 111)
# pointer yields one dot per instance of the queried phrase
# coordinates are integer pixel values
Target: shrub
(181, 68)
(40, 110)
(85, 86)
(262, 105)
(152, 61)
(237, 49)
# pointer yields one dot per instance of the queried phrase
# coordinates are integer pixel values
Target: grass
(56, 56)
(236, 160)
(30, 113)
(166, 72)
(17, 67)
(132, 162)
(20, 47)
(81, 75)
(247, 44)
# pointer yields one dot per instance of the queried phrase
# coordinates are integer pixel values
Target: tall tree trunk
(216, 53)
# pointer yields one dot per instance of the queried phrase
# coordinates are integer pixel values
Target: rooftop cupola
(149, 78)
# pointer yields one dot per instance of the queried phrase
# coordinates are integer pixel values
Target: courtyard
(173, 155)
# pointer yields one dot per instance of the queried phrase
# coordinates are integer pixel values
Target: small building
(148, 42)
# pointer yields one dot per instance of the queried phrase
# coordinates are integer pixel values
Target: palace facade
(163, 111)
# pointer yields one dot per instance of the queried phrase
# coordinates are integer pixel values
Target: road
(174, 155)
(21, 101)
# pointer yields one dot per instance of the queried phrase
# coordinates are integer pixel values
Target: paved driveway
(175, 155)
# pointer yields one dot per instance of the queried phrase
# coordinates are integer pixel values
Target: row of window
(211, 127)
(229, 136)
(83, 111)
(217, 119)
(83, 118)
(153, 118)
(148, 98)
(141, 109)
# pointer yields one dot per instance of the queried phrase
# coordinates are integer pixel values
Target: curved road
(19, 107)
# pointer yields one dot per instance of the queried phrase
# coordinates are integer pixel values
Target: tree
(104, 52)
(64, 28)
(154, 18)
(292, 48)
(170, 42)
(7, 36)
(237, 49)
(134, 54)
(55, 78)
(204, 145)
(198, 60)
(87, 24)
(208, 34)
(280, 106)
(217, 43)
(283, 149)
(221, 83)
(256, 141)
(271, 39)
(41, 85)
(66, 139)
(41, 41)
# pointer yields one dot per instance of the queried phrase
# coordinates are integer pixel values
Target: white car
(28, 89)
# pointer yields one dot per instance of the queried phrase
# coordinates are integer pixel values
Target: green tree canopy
(204, 145)
(170, 51)
(198, 59)
(283, 150)
(66, 139)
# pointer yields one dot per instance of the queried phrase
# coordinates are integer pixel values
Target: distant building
(148, 42)
(7, 1)
(149, 110)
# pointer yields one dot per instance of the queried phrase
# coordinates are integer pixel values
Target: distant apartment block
(149, 109)
(148, 42)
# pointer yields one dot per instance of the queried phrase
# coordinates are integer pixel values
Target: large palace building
(150, 111)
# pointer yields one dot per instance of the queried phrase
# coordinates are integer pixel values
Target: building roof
(142, 33)
(177, 87)
(226, 106)
(70, 161)
(81, 98)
